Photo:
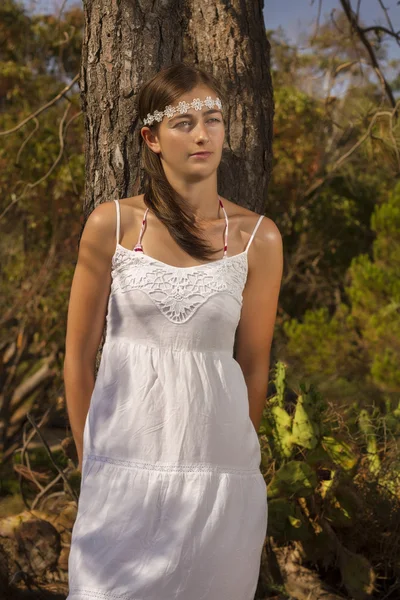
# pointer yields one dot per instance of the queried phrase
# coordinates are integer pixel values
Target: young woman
(172, 504)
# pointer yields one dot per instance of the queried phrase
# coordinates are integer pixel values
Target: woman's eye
(188, 122)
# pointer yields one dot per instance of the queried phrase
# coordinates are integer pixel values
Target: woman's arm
(258, 316)
(86, 315)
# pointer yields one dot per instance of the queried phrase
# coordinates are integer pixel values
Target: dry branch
(361, 33)
(41, 109)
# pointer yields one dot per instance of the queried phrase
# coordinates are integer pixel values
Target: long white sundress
(173, 505)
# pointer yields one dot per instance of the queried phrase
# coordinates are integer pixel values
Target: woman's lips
(202, 154)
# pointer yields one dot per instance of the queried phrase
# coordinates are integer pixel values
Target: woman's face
(181, 136)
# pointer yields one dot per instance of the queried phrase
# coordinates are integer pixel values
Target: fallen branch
(45, 444)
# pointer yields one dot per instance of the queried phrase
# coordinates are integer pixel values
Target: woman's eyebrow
(207, 112)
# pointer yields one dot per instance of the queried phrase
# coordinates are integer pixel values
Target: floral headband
(182, 108)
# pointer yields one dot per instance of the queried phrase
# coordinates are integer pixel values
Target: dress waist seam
(206, 468)
(118, 340)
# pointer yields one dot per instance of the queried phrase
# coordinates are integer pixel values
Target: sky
(294, 16)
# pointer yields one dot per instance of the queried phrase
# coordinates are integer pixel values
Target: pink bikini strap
(226, 228)
(253, 234)
(139, 247)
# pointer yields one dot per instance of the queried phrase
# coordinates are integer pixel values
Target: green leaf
(339, 452)
(294, 479)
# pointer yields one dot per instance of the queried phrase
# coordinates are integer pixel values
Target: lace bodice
(178, 292)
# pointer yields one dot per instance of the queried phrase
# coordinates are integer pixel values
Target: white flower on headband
(158, 115)
(169, 111)
(182, 107)
(197, 104)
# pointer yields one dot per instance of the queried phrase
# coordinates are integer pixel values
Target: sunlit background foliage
(330, 431)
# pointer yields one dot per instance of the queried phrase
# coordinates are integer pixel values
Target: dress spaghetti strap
(118, 220)
(253, 234)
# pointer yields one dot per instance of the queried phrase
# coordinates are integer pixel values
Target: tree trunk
(127, 42)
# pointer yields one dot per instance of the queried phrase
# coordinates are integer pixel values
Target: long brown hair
(160, 91)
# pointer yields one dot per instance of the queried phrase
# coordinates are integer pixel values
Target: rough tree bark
(127, 41)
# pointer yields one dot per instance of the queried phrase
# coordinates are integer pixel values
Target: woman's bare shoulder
(135, 202)
(99, 234)
(102, 219)
(245, 217)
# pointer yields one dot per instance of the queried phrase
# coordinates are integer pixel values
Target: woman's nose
(201, 132)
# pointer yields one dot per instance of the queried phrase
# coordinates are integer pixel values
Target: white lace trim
(174, 467)
(96, 594)
(178, 292)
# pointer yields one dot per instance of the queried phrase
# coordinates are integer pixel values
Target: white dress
(173, 505)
